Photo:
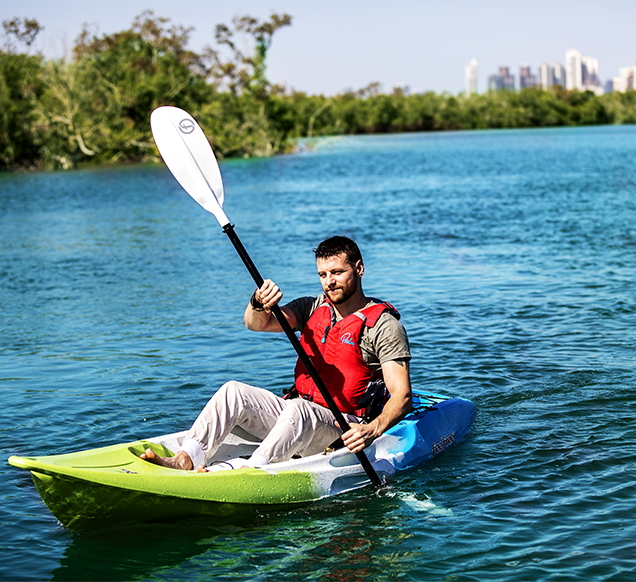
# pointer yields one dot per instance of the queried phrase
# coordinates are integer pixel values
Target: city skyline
(579, 72)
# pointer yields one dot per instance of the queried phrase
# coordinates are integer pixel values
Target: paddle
(188, 155)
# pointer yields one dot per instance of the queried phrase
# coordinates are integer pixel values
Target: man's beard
(346, 293)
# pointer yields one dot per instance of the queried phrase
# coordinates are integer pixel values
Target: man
(353, 341)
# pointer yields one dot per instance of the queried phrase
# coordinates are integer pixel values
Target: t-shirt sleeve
(388, 340)
(302, 308)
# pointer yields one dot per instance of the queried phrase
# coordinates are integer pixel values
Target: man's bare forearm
(256, 320)
(258, 313)
(394, 411)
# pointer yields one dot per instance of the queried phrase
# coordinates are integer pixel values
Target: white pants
(286, 427)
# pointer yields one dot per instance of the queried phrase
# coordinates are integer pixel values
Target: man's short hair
(335, 245)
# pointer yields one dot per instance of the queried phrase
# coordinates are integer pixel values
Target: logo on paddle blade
(186, 126)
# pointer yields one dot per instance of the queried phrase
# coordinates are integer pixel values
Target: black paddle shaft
(289, 332)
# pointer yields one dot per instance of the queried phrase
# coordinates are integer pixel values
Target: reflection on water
(342, 540)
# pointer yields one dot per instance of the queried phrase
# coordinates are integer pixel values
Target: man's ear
(360, 268)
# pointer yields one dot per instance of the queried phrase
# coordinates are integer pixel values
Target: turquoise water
(511, 256)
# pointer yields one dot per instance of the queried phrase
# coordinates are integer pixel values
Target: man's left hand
(359, 436)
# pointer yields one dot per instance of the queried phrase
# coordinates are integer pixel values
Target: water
(511, 257)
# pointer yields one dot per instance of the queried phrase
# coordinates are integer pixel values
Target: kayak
(112, 484)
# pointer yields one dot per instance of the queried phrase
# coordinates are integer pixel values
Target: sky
(338, 45)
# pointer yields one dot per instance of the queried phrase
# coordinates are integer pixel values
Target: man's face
(339, 279)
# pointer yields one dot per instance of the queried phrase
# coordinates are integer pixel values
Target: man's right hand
(268, 295)
(261, 319)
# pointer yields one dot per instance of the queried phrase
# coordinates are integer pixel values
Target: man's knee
(229, 388)
(227, 395)
(297, 411)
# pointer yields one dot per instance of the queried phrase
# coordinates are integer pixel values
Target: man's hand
(268, 295)
(359, 437)
(261, 319)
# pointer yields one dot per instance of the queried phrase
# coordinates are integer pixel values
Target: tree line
(94, 107)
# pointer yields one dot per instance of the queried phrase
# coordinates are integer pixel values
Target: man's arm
(258, 317)
(398, 383)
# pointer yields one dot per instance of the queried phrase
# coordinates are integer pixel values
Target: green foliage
(21, 87)
(531, 107)
(95, 108)
(245, 72)
(238, 125)
(21, 31)
(98, 106)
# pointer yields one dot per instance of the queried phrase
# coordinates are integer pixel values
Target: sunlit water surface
(511, 256)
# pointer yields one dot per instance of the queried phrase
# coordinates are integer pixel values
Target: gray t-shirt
(384, 342)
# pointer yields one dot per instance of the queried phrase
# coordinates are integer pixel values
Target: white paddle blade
(188, 155)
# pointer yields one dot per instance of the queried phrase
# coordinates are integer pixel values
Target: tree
(244, 121)
(20, 88)
(97, 106)
(245, 71)
(23, 31)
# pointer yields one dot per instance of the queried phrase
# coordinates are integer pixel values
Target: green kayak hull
(113, 484)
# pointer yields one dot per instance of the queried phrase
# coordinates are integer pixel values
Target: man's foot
(180, 461)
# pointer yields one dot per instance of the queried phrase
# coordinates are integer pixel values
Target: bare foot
(180, 461)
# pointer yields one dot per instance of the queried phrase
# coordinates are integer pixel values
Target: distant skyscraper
(573, 70)
(471, 76)
(546, 75)
(558, 74)
(582, 73)
(526, 78)
(626, 80)
(504, 80)
(589, 72)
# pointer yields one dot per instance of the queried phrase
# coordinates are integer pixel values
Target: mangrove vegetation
(94, 106)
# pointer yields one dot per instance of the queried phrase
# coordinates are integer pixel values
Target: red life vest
(335, 352)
